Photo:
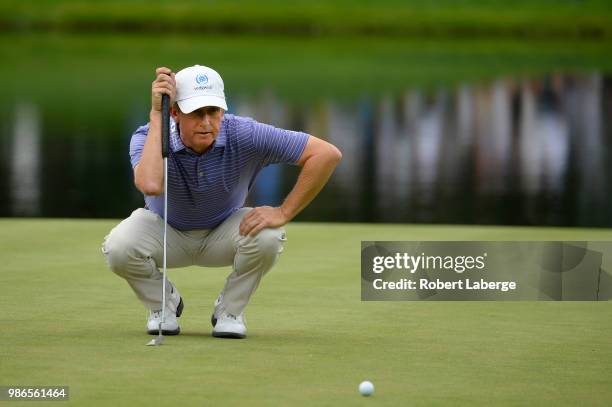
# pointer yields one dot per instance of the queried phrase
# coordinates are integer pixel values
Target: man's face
(200, 128)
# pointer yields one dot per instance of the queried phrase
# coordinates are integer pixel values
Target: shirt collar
(221, 137)
(175, 138)
(177, 143)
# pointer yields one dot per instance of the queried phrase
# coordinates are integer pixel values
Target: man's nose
(205, 119)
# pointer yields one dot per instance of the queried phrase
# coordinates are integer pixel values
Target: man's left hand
(260, 218)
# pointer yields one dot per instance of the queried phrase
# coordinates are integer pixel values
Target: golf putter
(165, 145)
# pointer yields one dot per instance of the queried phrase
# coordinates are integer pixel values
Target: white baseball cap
(198, 86)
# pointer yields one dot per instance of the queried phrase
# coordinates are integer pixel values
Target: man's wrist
(154, 115)
(285, 213)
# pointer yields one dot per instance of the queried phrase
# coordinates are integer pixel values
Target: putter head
(158, 340)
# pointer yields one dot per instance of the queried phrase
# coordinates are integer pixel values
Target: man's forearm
(149, 173)
(314, 175)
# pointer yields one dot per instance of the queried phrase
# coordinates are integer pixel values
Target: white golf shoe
(174, 309)
(217, 310)
(228, 325)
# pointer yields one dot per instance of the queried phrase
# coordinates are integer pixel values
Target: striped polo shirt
(204, 190)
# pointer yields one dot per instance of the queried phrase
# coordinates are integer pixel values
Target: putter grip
(165, 125)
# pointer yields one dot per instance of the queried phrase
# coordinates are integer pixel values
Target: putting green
(67, 320)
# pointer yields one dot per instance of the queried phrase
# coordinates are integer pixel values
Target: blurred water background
(458, 112)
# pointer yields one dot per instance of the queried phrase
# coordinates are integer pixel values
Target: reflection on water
(24, 161)
(532, 151)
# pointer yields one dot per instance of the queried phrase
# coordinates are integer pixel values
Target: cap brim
(196, 102)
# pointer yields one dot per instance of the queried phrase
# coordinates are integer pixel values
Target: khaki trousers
(134, 251)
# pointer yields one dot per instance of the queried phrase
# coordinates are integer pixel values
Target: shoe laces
(238, 318)
(156, 314)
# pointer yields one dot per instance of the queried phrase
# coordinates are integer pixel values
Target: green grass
(67, 320)
(538, 18)
(111, 74)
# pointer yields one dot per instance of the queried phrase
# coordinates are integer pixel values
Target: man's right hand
(149, 172)
(164, 83)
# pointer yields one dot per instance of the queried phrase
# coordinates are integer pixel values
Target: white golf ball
(366, 388)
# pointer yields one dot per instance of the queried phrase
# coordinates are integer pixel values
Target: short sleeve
(137, 144)
(278, 145)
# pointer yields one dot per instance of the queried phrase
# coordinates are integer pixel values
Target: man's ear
(174, 111)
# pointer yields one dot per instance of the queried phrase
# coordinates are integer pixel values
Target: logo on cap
(200, 79)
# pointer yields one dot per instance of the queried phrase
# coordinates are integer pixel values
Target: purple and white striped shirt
(206, 189)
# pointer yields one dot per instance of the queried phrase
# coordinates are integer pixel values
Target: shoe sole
(230, 335)
(164, 332)
(179, 311)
